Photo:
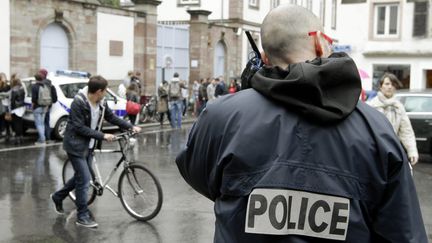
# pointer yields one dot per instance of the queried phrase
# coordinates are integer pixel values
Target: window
(309, 5)
(418, 104)
(322, 12)
(274, 3)
(386, 20)
(420, 18)
(253, 3)
(333, 19)
(70, 90)
(188, 2)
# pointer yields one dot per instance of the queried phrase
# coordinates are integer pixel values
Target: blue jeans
(47, 125)
(80, 182)
(39, 119)
(176, 110)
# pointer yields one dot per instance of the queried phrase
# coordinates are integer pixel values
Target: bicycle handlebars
(124, 135)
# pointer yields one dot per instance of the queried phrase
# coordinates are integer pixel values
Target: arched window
(219, 59)
(54, 48)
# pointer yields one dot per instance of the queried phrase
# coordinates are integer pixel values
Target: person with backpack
(175, 101)
(46, 81)
(41, 100)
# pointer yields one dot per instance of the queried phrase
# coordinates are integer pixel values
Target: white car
(67, 88)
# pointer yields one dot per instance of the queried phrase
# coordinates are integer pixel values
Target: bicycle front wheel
(140, 192)
(67, 173)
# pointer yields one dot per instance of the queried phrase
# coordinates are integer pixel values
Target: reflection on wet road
(28, 176)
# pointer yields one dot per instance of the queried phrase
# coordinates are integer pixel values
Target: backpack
(44, 97)
(174, 89)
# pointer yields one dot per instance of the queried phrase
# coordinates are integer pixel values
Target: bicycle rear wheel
(68, 173)
(140, 192)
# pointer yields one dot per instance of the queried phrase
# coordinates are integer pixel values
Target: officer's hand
(136, 129)
(413, 160)
(109, 137)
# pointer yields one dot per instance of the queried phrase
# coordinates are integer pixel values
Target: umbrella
(363, 74)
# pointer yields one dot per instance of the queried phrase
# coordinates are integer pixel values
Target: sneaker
(40, 143)
(58, 207)
(87, 222)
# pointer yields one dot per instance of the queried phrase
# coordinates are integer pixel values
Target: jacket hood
(325, 90)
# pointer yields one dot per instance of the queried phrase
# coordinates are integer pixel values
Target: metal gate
(172, 52)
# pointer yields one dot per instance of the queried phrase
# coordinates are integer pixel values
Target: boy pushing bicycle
(88, 110)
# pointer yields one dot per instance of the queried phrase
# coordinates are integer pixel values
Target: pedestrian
(394, 110)
(211, 88)
(203, 97)
(175, 101)
(185, 97)
(43, 72)
(220, 88)
(233, 87)
(88, 109)
(41, 99)
(162, 107)
(4, 107)
(133, 95)
(17, 108)
(297, 157)
(122, 88)
(195, 95)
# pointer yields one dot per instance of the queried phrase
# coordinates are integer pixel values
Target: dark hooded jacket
(78, 130)
(298, 159)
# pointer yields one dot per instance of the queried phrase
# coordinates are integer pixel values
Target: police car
(67, 85)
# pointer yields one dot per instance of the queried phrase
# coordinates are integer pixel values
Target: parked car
(418, 105)
(67, 87)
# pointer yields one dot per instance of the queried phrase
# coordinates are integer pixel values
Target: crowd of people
(12, 107)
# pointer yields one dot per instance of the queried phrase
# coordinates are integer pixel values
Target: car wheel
(60, 128)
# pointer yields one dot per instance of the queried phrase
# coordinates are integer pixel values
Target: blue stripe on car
(120, 113)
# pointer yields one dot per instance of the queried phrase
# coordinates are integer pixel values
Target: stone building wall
(78, 18)
(28, 20)
(204, 36)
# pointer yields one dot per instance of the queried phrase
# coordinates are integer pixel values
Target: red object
(328, 38)
(132, 108)
(363, 74)
(363, 96)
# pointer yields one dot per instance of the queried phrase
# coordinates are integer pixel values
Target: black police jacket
(299, 159)
(78, 131)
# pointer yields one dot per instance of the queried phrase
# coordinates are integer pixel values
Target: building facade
(217, 42)
(385, 36)
(380, 35)
(79, 35)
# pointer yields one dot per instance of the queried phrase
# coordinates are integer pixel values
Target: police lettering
(276, 211)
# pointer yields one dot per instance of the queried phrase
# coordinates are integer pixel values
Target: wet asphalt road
(29, 174)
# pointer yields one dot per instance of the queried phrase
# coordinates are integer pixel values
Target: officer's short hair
(176, 75)
(96, 83)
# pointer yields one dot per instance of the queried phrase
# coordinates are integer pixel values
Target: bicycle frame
(124, 147)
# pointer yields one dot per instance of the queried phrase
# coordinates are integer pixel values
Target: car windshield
(70, 90)
(418, 104)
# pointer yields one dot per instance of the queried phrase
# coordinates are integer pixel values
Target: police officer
(297, 158)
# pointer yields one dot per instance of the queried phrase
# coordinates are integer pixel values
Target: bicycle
(139, 189)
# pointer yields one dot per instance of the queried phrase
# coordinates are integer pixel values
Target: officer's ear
(265, 59)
